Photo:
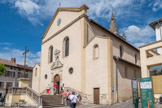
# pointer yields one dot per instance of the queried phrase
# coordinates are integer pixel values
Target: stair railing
(83, 95)
(28, 91)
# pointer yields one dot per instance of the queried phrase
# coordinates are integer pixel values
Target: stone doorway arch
(57, 81)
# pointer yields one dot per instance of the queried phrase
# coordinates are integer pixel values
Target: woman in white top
(73, 99)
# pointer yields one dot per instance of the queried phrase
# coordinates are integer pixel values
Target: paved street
(127, 104)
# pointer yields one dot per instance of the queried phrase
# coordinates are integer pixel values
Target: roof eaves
(152, 24)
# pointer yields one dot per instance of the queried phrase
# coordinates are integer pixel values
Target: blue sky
(23, 22)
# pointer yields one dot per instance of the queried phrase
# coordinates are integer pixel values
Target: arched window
(121, 51)
(135, 57)
(50, 54)
(66, 47)
(95, 51)
(35, 71)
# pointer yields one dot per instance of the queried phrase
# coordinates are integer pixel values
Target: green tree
(2, 69)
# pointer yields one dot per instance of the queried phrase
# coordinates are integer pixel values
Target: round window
(58, 21)
(71, 70)
(45, 76)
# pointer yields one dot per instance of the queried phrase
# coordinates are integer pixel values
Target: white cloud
(157, 5)
(37, 10)
(139, 36)
(8, 53)
(27, 7)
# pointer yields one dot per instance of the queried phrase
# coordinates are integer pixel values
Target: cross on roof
(24, 53)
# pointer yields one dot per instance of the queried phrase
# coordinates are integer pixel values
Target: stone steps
(49, 101)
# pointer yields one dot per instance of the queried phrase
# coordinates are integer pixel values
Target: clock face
(58, 21)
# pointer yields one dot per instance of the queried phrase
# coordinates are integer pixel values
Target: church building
(87, 58)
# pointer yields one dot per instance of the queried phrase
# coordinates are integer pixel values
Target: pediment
(63, 16)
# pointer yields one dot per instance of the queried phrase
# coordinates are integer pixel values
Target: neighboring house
(13, 72)
(84, 56)
(151, 59)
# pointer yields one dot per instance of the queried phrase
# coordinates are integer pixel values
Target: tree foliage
(2, 69)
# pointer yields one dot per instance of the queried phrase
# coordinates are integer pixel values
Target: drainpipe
(116, 61)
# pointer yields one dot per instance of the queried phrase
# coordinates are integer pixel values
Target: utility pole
(26, 51)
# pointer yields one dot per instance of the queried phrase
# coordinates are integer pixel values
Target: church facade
(83, 56)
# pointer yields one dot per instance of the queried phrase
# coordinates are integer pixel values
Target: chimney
(13, 60)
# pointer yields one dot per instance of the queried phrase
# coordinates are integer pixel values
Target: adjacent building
(82, 55)
(13, 72)
(151, 59)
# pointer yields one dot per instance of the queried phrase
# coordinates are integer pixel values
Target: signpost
(135, 93)
(146, 92)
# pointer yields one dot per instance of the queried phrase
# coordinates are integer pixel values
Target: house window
(8, 74)
(19, 74)
(1, 84)
(121, 51)
(45, 76)
(96, 51)
(35, 71)
(9, 84)
(50, 54)
(66, 47)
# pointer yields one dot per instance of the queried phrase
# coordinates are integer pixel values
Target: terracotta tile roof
(26, 67)
(11, 63)
(7, 62)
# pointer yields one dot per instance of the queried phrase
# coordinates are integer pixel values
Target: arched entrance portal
(57, 81)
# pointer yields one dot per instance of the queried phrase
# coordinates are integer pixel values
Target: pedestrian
(64, 98)
(54, 88)
(79, 98)
(62, 88)
(67, 97)
(48, 89)
(73, 99)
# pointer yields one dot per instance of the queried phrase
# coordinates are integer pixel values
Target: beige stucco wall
(146, 62)
(97, 69)
(35, 78)
(73, 60)
(23, 82)
(129, 52)
(66, 18)
(13, 99)
(124, 80)
(124, 84)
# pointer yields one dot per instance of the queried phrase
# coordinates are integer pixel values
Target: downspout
(116, 61)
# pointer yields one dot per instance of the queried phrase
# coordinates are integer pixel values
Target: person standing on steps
(67, 97)
(48, 89)
(64, 98)
(54, 88)
(73, 99)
